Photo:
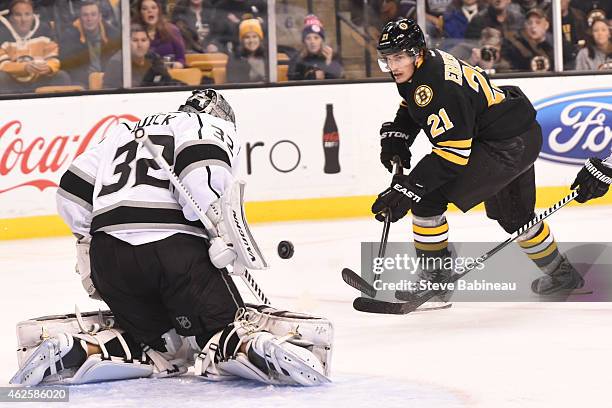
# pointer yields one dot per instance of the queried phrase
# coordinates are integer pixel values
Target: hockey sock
(540, 246)
(430, 237)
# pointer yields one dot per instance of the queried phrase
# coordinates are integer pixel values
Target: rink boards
(283, 159)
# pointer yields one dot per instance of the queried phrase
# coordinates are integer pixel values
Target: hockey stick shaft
(397, 169)
(428, 294)
(208, 225)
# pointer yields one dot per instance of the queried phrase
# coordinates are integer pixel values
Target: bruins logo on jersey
(423, 95)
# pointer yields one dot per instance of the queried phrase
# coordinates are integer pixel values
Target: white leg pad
(97, 370)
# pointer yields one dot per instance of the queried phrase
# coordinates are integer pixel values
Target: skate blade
(290, 361)
(429, 306)
(33, 362)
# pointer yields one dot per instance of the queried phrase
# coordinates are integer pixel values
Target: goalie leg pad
(280, 355)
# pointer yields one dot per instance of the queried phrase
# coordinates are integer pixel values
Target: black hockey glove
(593, 180)
(398, 198)
(394, 142)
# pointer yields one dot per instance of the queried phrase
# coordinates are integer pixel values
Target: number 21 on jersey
(439, 123)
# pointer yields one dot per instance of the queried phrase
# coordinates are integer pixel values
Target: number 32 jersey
(117, 188)
(456, 105)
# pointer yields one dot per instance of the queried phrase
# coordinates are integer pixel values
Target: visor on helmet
(383, 58)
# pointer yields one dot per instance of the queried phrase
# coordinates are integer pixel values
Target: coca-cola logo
(576, 126)
(38, 160)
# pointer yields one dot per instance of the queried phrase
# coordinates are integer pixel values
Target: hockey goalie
(144, 252)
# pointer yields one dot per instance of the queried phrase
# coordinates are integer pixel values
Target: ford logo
(576, 126)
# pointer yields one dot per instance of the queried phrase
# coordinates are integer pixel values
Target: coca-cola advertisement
(35, 160)
(331, 142)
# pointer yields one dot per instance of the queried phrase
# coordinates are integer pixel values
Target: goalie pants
(501, 174)
(170, 283)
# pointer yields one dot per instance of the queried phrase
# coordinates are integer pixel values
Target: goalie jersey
(455, 104)
(117, 188)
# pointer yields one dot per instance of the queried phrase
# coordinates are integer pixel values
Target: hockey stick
(349, 276)
(416, 299)
(141, 137)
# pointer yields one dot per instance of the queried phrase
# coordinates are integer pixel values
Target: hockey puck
(285, 249)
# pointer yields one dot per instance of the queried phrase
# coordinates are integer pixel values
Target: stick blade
(357, 282)
(367, 305)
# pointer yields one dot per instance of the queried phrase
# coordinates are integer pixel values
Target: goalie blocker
(262, 344)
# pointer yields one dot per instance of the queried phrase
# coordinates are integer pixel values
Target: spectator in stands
(523, 6)
(232, 12)
(166, 39)
(248, 64)
(595, 8)
(530, 49)
(457, 17)
(200, 25)
(147, 67)
(434, 10)
(573, 27)
(597, 55)
(316, 60)
(392, 9)
(89, 44)
(497, 16)
(488, 55)
(62, 14)
(28, 55)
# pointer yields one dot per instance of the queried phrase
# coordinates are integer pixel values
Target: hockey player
(142, 250)
(484, 139)
(594, 179)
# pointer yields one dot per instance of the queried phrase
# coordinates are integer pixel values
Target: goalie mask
(211, 102)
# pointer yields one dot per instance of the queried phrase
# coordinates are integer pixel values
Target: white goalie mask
(209, 101)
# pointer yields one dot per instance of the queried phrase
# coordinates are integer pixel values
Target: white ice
(472, 355)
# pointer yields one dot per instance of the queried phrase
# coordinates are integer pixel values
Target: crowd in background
(512, 35)
(64, 42)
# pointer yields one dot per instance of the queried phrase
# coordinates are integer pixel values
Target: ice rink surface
(472, 355)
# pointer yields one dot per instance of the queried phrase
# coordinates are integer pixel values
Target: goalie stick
(141, 137)
(416, 299)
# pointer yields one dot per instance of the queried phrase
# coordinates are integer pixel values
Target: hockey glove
(398, 199)
(593, 180)
(394, 142)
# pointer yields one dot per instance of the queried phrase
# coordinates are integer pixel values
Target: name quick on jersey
(406, 192)
(155, 120)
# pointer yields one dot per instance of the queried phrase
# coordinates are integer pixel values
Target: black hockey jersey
(456, 104)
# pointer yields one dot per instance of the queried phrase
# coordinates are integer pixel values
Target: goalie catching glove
(235, 243)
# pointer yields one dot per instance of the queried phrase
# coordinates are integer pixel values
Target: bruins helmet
(403, 34)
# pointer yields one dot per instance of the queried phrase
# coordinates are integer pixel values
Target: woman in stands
(597, 55)
(248, 64)
(165, 37)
